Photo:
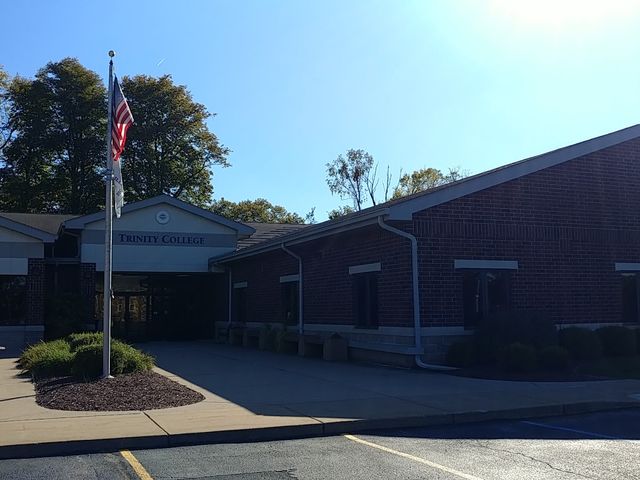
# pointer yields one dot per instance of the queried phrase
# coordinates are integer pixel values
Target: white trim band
(365, 268)
(240, 285)
(627, 267)
(289, 278)
(486, 264)
(14, 266)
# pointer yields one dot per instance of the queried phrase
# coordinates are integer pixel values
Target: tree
(340, 212)
(258, 210)
(5, 131)
(56, 149)
(76, 139)
(170, 149)
(26, 178)
(349, 176)
(425, 179)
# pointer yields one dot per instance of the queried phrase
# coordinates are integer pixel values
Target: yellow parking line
(136, 465)
(415, 459)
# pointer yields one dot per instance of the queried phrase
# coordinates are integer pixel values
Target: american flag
(121, 120)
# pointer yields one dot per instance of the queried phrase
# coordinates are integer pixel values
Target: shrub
(617, 341)
(501, 329)
(77, 340)
(581, 343)
(461, 354)
(553, 358)
(47, 359)
(59, 358)
(517, 357)
(124, 359)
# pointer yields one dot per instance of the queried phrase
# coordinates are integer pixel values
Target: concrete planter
(335, 349)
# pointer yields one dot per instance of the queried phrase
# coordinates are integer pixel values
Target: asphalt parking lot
(594, 446)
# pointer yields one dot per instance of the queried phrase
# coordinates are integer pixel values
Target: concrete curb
(300, 431)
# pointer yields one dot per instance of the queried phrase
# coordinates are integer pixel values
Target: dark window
(289, 302)
(13, 299)
(483, 293)
(630, 297)
(240, 304)
(365, 300)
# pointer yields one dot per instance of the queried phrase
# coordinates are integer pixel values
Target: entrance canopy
(160, 234)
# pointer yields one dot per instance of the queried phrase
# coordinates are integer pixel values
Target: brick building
(558, 233)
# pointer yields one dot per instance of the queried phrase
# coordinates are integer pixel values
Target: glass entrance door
(129, 316)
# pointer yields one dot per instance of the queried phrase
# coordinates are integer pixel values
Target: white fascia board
(365, 268)
(289, 278)
(405, 210)
(486, 264)
(627, 267)
(14, 266)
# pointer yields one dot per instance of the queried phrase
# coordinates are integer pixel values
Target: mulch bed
(136, 391)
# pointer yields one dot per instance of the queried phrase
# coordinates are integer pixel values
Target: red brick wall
(327, 283)
(262, 274)
(566, 226)
(36, 286)
(88, 291)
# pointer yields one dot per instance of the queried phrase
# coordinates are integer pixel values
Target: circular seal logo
(162, 217)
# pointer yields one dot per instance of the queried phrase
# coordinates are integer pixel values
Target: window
(289, 295)
(630, 297)
(240, 302)
(13, 299)
(484, 292)
(365, 300)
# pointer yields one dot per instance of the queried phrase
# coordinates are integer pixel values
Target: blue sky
(466, 83)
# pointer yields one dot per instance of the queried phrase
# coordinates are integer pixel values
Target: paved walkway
(253, 395)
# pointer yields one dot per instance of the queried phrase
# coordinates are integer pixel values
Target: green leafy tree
(348, 175)
(340, 212)
(425, 179)
(56, 149)
(26, 173)
(170, 149)
(5, 131)
(258, 210)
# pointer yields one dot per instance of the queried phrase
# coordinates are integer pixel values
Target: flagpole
(108, 234)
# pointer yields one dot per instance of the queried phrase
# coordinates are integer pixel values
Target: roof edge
(403, 210)
(46, 237)
(304, 235)
(241, 228)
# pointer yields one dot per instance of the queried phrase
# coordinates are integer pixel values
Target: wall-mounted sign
(161, 239)
(163, 217)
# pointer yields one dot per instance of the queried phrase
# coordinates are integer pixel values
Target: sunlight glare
(564, 14)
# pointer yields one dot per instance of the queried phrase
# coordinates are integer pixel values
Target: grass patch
(615, 367)
(80, 355)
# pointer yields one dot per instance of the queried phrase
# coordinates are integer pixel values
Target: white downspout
(300, 296)
(416, 297)
(229, 300)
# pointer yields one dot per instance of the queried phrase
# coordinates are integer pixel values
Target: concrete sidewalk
(252, 395)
